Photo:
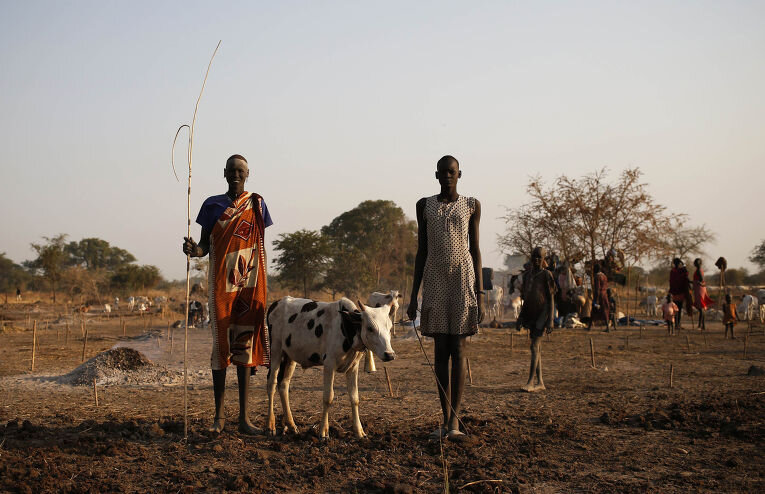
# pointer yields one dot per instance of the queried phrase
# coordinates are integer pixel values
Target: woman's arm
(475, 253)
(419, 260)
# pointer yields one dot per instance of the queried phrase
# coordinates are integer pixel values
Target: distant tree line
(371, 247)
(88, 268)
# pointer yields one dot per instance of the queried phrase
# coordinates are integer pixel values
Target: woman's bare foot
(246, 427)
(217, 426)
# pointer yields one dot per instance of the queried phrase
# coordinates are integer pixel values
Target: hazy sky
(333, 103)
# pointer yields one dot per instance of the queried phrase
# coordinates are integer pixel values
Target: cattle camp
(399, 247)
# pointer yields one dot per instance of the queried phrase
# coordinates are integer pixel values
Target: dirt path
(616, 428)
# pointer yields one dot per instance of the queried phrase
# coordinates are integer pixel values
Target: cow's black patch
(346, 345)
(350, 323)
(320, 313)
(292, 318)
(309, 306)
(270, 309)
(319, 330)
(310, 324)
(289, 340)
(315, 358)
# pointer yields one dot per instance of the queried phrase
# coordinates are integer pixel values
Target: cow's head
(375, 330)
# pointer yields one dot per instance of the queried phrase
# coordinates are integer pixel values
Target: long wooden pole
(188, 256)
(592, 354)
(34, 344)
(84, 344)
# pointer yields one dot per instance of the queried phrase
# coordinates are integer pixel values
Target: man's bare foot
(246, 427)
(217, 426)
(540, 387)
(454, 434)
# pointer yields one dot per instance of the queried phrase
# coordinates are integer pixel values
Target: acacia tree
(50, 261)
(302, 259)
(95, 253)
(689, 241)
(12, 275)
(588, 216)
(758, 255)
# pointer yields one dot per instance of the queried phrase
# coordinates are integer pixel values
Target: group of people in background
(689, 293)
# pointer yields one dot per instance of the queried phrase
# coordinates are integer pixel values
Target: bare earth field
(618, 427)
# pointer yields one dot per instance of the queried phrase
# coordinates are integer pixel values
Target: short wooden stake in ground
(124, 328)
(387, 378)
(84, 344)
(641, 331)
(66, 339)
(592, 354)
(470, 373)
(671, 375)
(688, 343)
(82, 328)
(746, 344)
(34, 344)
(628, 342)
(705, 339)
(172, 338)
(512, 343)
(95, 391)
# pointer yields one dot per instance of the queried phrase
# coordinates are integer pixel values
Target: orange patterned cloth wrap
(238, 285)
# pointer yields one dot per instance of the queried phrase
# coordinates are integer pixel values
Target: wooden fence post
(34, 343)
(387, 377)
(671, 375)
(84, 344)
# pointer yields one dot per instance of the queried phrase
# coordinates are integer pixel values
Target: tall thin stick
(34, 344)
(592, 354)
(671, 375)
(84, 344)
(95, 391)
(387, 377)
(188, 234)
(470, 373)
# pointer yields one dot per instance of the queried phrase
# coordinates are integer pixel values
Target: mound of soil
(116, 364)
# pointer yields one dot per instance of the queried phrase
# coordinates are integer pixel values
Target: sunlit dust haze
(334, 103)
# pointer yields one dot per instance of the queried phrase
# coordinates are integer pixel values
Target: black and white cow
(332, 334)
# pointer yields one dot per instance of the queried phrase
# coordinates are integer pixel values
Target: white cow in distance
(748, 308)
(334, 335)
(494, 302)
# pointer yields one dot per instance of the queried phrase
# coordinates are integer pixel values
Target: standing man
(537, 311)
(448, 264)
(233, 225)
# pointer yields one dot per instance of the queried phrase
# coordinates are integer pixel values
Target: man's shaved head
(234, 157)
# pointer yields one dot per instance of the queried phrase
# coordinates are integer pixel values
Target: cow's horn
(361, 304)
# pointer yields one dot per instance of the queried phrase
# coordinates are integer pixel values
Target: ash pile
(117, 366)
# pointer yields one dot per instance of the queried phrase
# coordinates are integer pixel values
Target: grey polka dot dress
(449, 303)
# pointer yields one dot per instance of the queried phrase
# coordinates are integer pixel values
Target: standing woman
(679, 288)
(448, 264)
(700, 298)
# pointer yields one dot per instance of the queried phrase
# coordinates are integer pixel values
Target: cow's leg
(273, 375)
(352, 380)
(286, 371)
(219, 390)
(329, 395)
(243, 375)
